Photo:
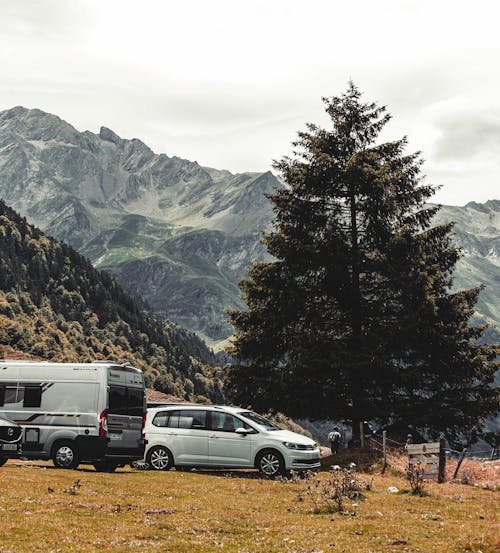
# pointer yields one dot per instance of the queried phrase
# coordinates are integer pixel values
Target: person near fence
(335, 439)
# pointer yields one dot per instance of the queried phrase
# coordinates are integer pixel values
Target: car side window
(193, 418)
(225, 422)
(161, 418)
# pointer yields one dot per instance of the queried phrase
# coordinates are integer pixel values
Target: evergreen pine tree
(355, 319)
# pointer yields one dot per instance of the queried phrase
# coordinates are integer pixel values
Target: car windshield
(261, 421)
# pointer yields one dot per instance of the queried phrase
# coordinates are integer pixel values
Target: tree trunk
(356, 387)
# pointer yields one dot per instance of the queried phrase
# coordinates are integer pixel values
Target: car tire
(3, 460)
(159, 458)
(270, 463)
(105, 466)
(65, 455)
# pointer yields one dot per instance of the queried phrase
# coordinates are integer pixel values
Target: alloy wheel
(270, 464)
(159, 459)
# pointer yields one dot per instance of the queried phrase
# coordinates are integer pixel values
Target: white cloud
(229, 83)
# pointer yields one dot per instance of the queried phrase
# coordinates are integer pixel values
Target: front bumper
(303, 460)
(10, 450)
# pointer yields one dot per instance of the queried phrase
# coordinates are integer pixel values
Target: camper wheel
(65, 455)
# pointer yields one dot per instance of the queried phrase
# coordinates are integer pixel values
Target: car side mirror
(242, 431)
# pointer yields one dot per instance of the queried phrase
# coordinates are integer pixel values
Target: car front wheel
(271, 463)
(159, 458)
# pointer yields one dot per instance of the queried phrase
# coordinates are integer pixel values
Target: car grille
(10, 434)
(307, 461)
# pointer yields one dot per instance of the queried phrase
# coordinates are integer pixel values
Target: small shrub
(329, 495)
(415, 475)
(466, 477)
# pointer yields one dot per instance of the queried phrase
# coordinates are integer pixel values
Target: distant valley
(176, 235)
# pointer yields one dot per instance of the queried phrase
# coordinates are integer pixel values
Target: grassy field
(45, 509)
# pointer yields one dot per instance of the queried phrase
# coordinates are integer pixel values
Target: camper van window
(2, 395)
(32, 396)
(135, 402)
(11, 394)
(117, 400)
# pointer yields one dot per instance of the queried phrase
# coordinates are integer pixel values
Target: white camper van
(76, 412)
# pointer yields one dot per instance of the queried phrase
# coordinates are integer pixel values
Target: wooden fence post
(384, 450)
(461, 458)
(442, 460)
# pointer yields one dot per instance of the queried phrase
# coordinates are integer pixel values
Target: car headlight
(291, 445)
(302, 447)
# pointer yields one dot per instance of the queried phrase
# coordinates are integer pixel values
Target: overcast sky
(228, 83)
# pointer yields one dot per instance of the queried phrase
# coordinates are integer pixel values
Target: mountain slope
(120, 204)
(55, 305)
(477, 232)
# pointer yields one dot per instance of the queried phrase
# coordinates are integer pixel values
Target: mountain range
(176, 235)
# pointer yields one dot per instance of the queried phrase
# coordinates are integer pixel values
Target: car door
(225, 446)
(163, 431)
(192, 437)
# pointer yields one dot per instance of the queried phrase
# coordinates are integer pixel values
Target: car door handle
(213, 436)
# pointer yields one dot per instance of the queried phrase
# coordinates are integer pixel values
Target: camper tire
(65, 455)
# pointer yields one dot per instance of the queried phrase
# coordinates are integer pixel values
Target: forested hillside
(55, 305)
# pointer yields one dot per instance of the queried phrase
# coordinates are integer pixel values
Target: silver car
(220, 436)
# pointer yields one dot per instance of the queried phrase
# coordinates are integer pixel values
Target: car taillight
(103, 423)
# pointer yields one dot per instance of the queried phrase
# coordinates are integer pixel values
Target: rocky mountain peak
(109, 136)
(37, 125)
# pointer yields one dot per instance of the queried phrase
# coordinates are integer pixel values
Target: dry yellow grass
(42, 510)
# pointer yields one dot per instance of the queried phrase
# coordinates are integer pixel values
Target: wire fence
(375, 441)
